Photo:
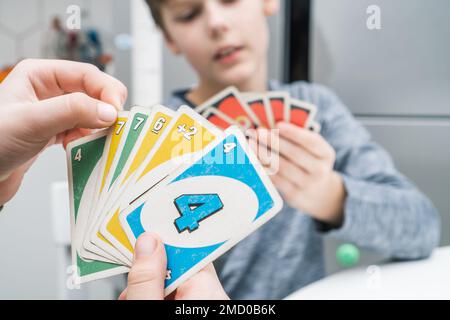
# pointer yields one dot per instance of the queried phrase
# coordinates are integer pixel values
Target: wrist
(337, 212)
(334, 213)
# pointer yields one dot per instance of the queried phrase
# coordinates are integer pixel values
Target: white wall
(147, 56)
(28, 254)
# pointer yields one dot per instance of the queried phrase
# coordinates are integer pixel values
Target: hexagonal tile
(31, 44)
(19, 15)
(101, 15)
(7, 51)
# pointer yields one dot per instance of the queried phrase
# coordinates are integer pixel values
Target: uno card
(110, 227)
(110, 149)
(188, 133)
(138, 118)
(301, 113)
(279, 102)
(203, 209)
(229, 103)
(83, 158)
(159, 120)
(217, 118)
(260, 106)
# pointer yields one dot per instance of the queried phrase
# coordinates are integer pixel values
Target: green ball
(347, 255)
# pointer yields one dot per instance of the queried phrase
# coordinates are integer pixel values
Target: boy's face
(226, 41)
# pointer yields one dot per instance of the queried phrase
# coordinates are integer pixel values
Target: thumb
(147, 275)
(47, 118)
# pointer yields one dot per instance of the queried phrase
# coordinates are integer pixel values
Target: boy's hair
(155, 9)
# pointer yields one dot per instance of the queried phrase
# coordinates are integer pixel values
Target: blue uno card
(201, 210)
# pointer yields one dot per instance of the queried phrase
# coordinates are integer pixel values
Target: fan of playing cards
(177, 174)
(252, 110)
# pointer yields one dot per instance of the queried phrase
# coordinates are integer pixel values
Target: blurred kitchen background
(396, 80)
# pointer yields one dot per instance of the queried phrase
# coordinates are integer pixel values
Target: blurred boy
(339, 183)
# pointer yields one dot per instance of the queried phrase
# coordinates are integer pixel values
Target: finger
(288, 190)
(204, 285)
(293, 173)
(295, 153)
(73, 135)
(265, 155)
(253, 144)
(123, 295)
(51, 78)
(50, 117)
(268, 159)
(206, 276)
(311, 141)
(147, 275)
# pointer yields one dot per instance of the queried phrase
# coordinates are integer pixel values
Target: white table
(424, 279)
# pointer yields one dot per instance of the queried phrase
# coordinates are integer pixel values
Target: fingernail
(145, 245)
(106, 112)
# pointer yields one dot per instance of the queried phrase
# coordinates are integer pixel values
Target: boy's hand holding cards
(252, 110)
(200, 189)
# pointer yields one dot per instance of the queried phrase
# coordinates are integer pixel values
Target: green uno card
(83, 158)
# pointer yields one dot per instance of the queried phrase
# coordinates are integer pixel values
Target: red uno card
(279, 103)
(260, 106)
(229, 103)
(217, 118)
(301, 113)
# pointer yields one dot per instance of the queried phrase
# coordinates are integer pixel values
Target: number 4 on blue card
(194, 208)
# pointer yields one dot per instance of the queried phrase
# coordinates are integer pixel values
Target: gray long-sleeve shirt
(383, 211)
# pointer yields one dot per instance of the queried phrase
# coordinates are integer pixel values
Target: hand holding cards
(252, 110)
(200, 189)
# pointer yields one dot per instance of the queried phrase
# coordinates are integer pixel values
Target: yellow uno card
(158, 122)
(109, 152)
(187, 134)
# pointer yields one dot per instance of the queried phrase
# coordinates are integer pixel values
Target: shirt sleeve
(383, 210)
